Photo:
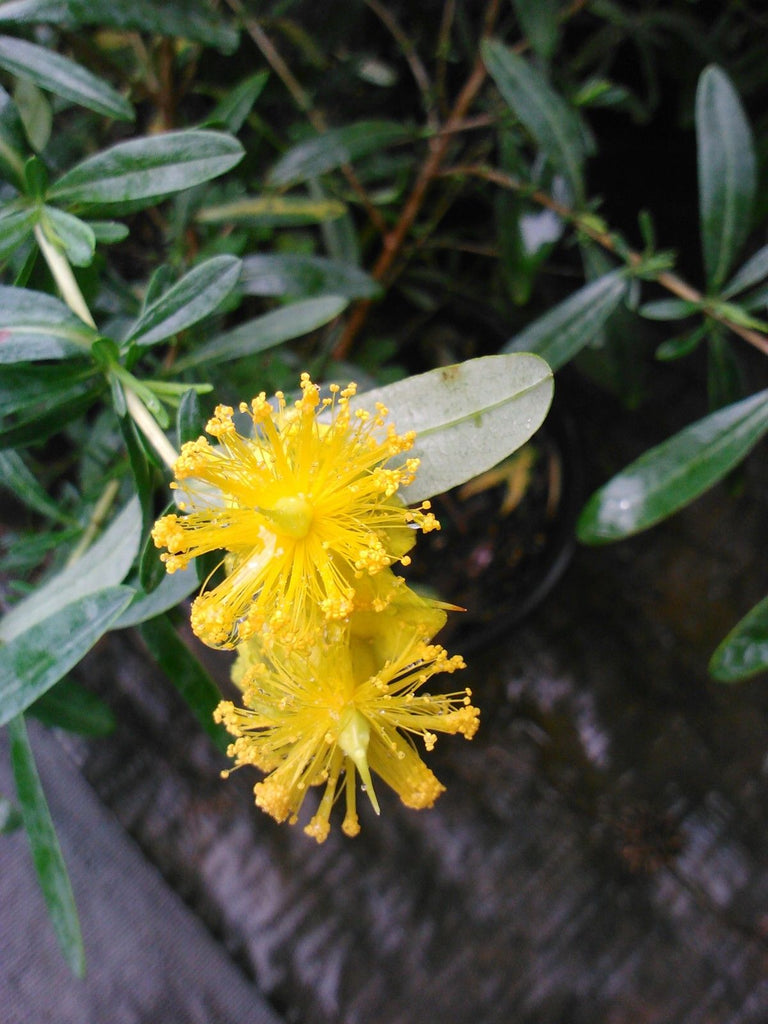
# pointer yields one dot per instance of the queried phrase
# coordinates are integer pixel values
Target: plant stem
(148, 425)
(674, 284)
(63, 276)
(70, 292)
(99, 514)
(302, 100)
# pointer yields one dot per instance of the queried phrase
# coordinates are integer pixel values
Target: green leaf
(191, 19)
(14, 148)
(744, 652)
(332, 149)
(63, 77)
(190, 420)
(10, 817)
(187, 675)
(71, 234)
(540, 22)
(46, 852)
(669, 309)
(232, 111)
(34, 660)
(172, 591)
(560, 334)
(16, 226)
(468, 417)
(724, 383)
(267, 331)
(105, 563)
(683, 345)
(36, 113)
(727, 175)
(35, 326)
(751, 273)
(674, 473)
(68, 705)
(15, 476)
(272, 210)
(108, 231)
(191, 299)
(305, 277)
(30, 418)
(148, 168)
(552, 123)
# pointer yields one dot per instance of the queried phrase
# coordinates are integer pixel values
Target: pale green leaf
(46, 852)
(552, 123)
(148, 168)
(63, 77)
(34, 660)
(268, 330)
(272, 210)
(191, 299)
(35, 326)
(744, 652)
(105, 563)
(563, 331)
(332, 149)
(468, 417)
(71, 234)
(727, 173)
(674, 473)
(305, 276)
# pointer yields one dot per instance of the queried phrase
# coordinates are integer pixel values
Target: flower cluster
(333, 648)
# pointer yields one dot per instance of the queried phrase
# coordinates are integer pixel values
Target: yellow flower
(305, 508)
(326, 715)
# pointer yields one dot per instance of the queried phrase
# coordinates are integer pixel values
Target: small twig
(393, 242)
(418, 70)
(674, 284)
(95, 523)
(442, 50)
(303, 101)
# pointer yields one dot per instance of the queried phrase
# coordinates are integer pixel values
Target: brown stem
(393, 241)
(674, 284)
(304, 103)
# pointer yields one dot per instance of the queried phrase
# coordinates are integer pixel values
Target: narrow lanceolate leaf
(15, 227)
(104, 564)
(147, 168)
(467, 417)
(35, 326)
(232, 111)
(668, 477)
(15, 476)
(14, 148)
(744, 652)
(305, 276)
(193, 19)
(46, 852)
(273, 210)
(35, 660)
(267, 331)
(68, 705)
(560, 334)
(71, 234)
(186, 673)
(191, 299)
(171, 591)
(551, 122)
(63, 77)
(727, 175)
(334, 148)
(753, 271)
